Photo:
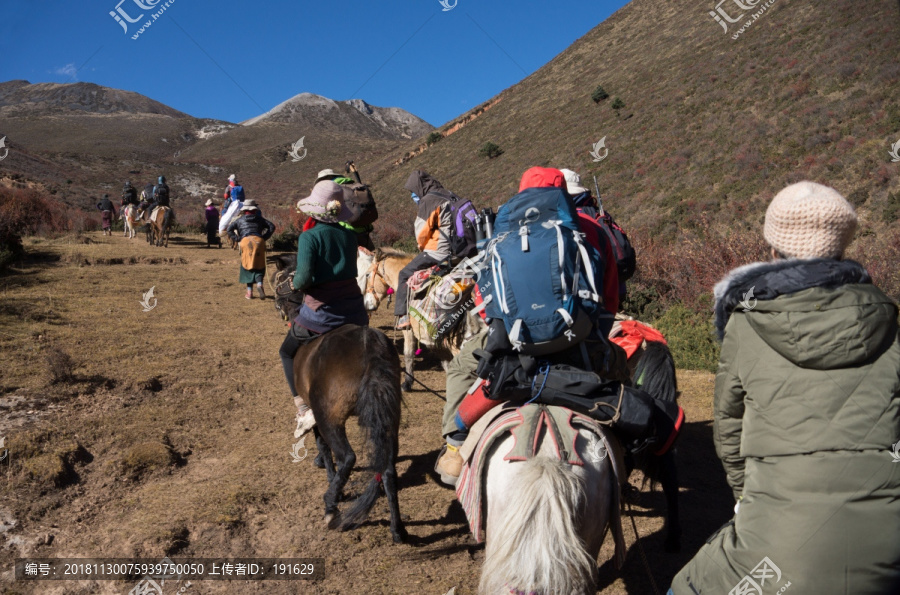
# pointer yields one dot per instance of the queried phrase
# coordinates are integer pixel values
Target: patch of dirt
(199, 463)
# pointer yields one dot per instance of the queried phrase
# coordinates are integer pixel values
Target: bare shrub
(60, 366)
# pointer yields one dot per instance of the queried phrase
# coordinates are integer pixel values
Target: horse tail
(378, 408)
(655, 372)
(534, 545)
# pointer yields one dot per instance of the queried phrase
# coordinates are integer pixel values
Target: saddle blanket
(156, 212)
(418, 280)
(527, 424)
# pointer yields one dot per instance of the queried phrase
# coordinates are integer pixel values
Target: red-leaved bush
(25, 211)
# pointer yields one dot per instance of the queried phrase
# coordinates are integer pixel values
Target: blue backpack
(541, 278)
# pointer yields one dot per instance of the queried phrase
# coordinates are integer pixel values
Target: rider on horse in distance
(433, 229)
(326, 272)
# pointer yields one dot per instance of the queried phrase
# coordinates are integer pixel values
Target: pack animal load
(359, 200)
(541, 278)
(463, 232)
(626, 257)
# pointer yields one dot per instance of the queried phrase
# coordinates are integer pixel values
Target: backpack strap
(593, 295)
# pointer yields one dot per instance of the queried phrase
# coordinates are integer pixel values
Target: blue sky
(234, 59)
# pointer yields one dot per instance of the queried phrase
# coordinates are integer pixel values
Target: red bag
(632, 335)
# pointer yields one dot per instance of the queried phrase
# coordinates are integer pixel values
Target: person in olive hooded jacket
(807, 406)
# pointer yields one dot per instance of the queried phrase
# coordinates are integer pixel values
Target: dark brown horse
(354, 370)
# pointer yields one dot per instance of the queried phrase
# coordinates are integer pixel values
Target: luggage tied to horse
(639, 420)
(543, 278)
(528, 424)
(631, 335)
(445, 304)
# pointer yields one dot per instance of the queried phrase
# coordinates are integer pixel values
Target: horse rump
(534, 543)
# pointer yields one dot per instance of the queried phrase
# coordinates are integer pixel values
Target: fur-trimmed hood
(817, 313)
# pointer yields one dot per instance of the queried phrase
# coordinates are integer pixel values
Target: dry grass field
(169, 432)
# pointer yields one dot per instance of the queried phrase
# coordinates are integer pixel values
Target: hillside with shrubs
(702, 131)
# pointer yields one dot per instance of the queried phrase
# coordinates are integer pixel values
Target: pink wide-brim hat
(325, 203)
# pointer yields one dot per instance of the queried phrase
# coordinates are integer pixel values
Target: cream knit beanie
(809, 220)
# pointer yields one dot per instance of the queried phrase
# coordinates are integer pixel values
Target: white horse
(131, 223)
(546, 519)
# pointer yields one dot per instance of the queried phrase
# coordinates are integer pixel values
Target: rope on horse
(640, 545)
(410, 376)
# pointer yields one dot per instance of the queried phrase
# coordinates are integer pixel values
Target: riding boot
(449, 464)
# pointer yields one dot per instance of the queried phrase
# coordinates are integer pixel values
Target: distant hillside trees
(490, 150)
(433, 138)
(599, 94)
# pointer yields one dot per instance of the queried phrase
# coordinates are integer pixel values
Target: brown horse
(159, 229)
(383, 275)
(354, 370)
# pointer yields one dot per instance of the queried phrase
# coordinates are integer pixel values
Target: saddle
(158, 211)
(531, 424)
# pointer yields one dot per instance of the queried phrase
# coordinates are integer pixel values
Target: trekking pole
(599, 200)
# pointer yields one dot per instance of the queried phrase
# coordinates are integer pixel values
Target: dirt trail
(173, 436)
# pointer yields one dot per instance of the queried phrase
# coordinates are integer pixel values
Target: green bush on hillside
(599, 94)
(691, 338)
(617, 104)
(490, 150)
(433, 138)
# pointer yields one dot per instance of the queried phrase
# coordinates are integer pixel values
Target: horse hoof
(333, 520)
(400, 536)
(406, 387)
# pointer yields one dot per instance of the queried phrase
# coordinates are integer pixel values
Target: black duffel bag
(637, 418)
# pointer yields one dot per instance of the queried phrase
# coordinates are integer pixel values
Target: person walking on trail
(251, 231)
(461, 372)
(212, 225)
(326, 272)
(107, 212)
(432, 229)
(806, 407)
